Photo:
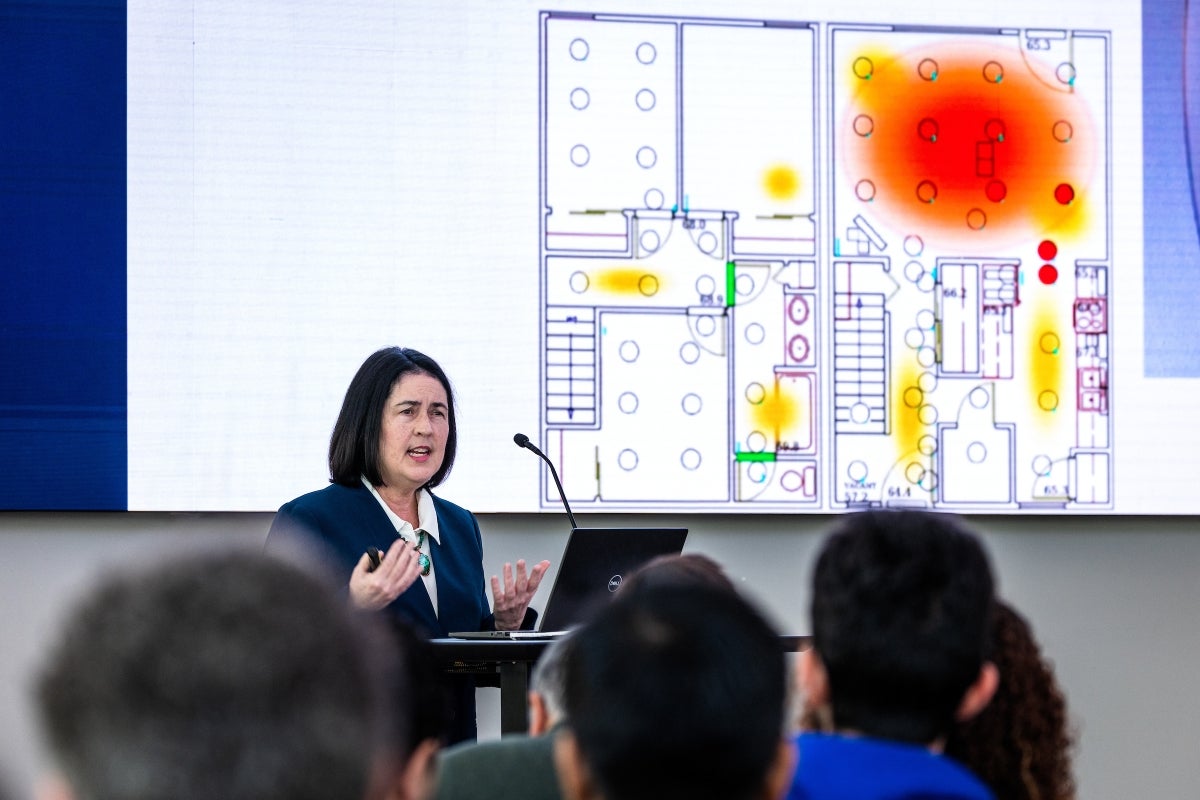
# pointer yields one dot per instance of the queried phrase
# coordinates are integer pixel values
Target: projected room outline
(819, 266)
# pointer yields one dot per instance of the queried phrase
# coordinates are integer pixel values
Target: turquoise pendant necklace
(422, 558)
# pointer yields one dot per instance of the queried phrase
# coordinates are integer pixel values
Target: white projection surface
(712, 257)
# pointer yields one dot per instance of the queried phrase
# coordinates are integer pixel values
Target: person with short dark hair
(516, 767)
(228, 675)
(901, 614)
(394, 441)
(675, 691)
(1020, 745)
(678, 569)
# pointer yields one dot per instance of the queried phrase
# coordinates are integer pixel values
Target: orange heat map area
(954, 141)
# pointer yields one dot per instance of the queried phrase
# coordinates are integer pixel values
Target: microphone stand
(523, 441)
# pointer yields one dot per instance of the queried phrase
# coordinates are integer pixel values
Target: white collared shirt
(427, 521)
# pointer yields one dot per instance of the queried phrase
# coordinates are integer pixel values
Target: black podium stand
(511, 660)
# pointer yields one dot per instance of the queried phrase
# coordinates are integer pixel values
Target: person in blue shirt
(902, 604)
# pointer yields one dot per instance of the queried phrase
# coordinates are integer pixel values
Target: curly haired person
(1020, 744)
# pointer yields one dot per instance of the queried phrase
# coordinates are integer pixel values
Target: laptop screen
(595, 563)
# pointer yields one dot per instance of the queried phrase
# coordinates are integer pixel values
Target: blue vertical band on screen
(62, 255)
(1171, 269)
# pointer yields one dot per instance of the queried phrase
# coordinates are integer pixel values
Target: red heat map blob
(976, 140)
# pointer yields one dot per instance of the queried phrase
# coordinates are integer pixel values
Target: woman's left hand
(510, 601)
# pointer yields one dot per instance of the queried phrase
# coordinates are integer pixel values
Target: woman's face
(416, 423)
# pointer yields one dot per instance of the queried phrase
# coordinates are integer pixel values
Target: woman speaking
(394, 441)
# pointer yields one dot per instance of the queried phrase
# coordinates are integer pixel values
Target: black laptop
(594, 564)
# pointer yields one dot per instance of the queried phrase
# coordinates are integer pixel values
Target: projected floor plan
(812, 266)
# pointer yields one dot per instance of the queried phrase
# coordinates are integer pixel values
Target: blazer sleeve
(296, 531)
(332, 527)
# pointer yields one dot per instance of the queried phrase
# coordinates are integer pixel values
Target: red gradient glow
(947, 130)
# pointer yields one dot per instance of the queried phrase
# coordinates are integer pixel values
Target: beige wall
(1115, 601)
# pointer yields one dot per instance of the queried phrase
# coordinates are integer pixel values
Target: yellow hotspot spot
(777, 412)
(1063, 223)
(1046, 362)
(781, 182)
(905, 403)
(1048, 401)
(622, 280)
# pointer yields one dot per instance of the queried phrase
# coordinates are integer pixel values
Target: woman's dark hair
(354, 444)
(1020, 744)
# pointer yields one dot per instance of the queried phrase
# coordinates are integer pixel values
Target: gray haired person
(229, 675)
(515, 766)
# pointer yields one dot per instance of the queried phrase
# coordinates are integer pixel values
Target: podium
(510, 660)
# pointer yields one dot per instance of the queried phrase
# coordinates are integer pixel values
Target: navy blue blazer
(341, 522)
(344, 521)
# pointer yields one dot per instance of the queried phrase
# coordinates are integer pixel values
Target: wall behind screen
(1112, 600)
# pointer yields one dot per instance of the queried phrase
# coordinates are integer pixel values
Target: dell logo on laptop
(614, 583)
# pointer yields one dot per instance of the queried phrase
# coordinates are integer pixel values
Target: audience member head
(547, 687)
(901, 613)
(1020, 744)
(231, 675)
(428, 723)
(6, 792)
(354, 444)
(675, 691)
(678, 569)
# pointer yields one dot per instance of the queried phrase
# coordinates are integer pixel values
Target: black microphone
(523, 441)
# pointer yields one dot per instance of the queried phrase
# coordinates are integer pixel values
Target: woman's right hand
(397, 570)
